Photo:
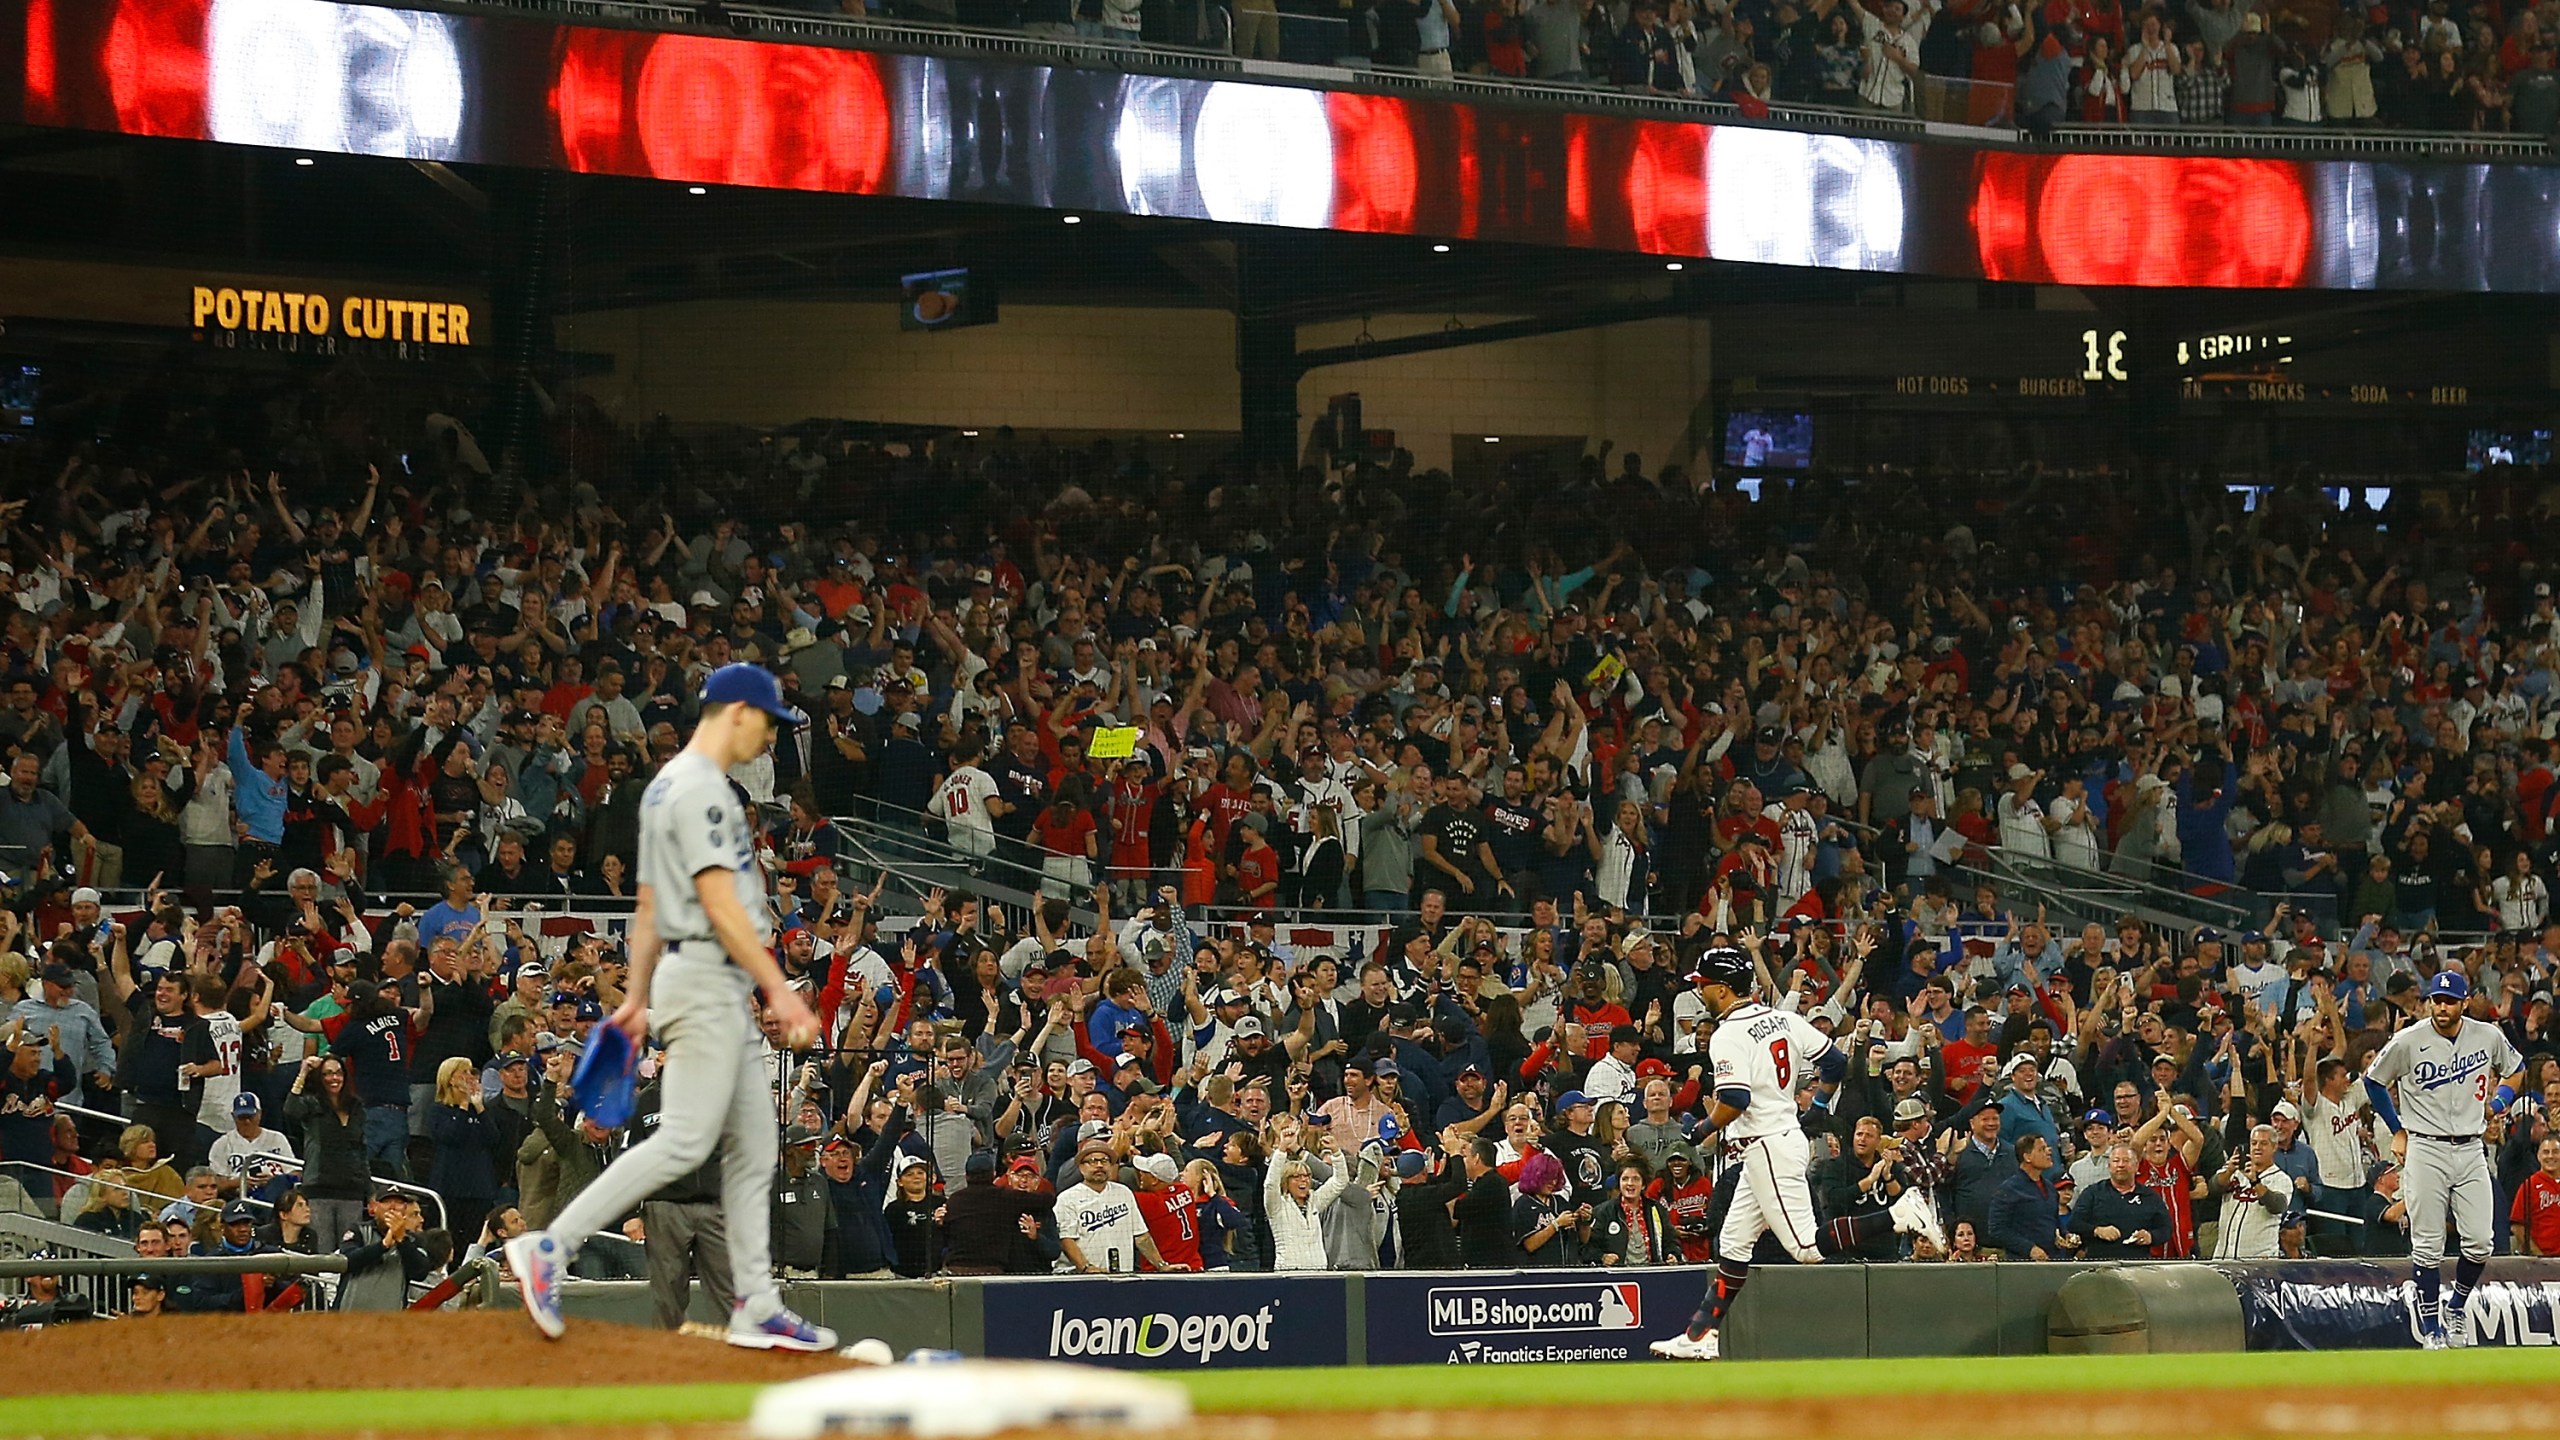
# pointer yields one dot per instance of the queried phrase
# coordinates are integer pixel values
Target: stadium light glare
(1439, 249)
(304, 161)
(1071, 220)
(1674, 265)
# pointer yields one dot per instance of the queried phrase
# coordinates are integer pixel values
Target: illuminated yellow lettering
(274, 308)
(315, 314)
(376, 325)
(204, 306)
(293, 312)
(435, 323)
(226, 309)
(459, 326)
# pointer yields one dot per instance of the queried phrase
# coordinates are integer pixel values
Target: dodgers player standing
(2443, 1072)
(702, 902)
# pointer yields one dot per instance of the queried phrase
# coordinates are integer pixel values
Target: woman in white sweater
(1295, 1205)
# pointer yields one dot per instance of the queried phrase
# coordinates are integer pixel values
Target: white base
(966, 1398)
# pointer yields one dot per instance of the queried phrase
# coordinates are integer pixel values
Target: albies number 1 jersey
(1769, 1052)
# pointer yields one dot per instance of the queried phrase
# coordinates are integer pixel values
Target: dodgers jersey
(1768, 1051)
(2442, 1086)
(692, 820)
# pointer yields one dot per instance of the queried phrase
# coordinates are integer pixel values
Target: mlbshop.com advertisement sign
(1170, 1322)
(1522, 1317)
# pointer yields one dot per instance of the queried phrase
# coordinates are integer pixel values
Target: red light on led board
(1667, 188)
(2188, 221)
(1375, 173)
(721, 112)
(157, 75)
(788, 117)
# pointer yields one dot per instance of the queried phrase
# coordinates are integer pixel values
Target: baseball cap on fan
(744, 684)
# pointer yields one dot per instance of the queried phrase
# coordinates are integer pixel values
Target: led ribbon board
(315, 76)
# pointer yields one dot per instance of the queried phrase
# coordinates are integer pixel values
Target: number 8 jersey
(1764, 1051)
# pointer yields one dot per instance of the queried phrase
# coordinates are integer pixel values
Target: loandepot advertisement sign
(1168, 1322)
(1519, 1318)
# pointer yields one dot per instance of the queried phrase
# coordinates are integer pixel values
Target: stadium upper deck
(595, 88)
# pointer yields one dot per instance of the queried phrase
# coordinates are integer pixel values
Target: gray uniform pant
(685, 1240)
(2447, 1180)
(715, 1095)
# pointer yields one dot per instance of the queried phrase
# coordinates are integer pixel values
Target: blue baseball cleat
(536, 1259)
(780, 1330)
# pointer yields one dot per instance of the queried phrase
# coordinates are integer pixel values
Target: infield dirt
(390, 1351)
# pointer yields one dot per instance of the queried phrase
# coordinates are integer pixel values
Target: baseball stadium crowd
(2414, 65)
(313, 737)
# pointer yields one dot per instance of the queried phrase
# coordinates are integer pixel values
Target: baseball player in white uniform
(2448, 1077)
(702, 907)
(1759, 1054)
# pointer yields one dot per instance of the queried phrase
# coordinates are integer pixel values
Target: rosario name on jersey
(2443, 1085)
(1766, 1051)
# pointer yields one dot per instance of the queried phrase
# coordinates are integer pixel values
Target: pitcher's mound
(371, 1351)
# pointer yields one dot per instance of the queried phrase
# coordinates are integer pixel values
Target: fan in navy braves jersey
(1759, 1055)
(2446, 1074)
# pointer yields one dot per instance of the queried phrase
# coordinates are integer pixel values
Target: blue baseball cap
(744, 684)
(2449, 984)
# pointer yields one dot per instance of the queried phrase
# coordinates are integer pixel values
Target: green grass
(1439, 1387)
(1415, 1387)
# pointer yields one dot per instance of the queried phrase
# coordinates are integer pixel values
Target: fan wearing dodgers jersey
(1759, 1054)
(2448, 1076)
(701, 947)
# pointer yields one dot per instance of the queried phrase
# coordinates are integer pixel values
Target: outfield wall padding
(1828, 1311)
(1933, 1309)
(2145, 1310)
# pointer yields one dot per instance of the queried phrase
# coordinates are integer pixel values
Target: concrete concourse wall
(772, 362)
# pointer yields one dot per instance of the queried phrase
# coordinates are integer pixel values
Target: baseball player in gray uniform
(701, 947)
(2448, 1076)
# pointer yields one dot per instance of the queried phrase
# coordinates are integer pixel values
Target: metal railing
(415, 1192)
(106, 1281)
(1305, 64)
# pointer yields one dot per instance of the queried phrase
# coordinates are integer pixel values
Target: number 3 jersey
(2442, 1085)
(1766, 1051)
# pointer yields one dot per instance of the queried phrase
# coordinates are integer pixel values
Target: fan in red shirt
(1170, 1209)
(2169, 1170)
(1593, 1010)
(1257, 871)
(1966, 1057)
(1132, 806)
(1066, 828)
(2536, 1215)
(1228, 801)
(1686, 1192)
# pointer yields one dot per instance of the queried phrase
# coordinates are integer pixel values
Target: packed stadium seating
(2068, 63)
(2176, 797)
